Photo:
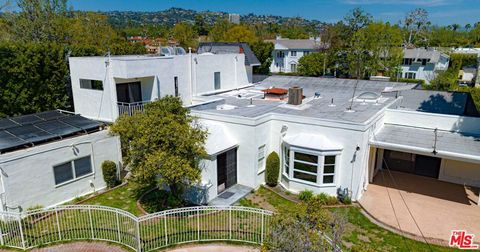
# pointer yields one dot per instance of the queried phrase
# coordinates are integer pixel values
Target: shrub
(347, 200)
(305, 195)
(109, 170)
(325, 199)
(272, 169)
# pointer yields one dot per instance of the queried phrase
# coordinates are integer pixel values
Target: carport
(424, 181)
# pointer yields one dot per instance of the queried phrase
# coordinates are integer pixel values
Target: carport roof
(412, 139)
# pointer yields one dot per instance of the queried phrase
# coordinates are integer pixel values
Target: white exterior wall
(427, 72)
(195, 76)
(28, 177)
(460, 172)
(250, 134)
(284, 64)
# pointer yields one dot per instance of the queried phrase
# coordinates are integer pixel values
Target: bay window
(310, 166)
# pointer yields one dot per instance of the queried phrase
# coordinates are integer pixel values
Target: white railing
(150, 232)
(131, 108)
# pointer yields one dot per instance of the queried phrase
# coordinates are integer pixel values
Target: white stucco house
(325, 146)
(52, 157)
(327, 140)
(287, 52)
(105, 87)
(423, 64)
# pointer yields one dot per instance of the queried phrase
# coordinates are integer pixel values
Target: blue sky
(442, 12)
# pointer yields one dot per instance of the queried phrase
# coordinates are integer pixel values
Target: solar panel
(8, 141)
(58, 128)
(7, 123)
(27, 119)
(49, 115)
(18, 132)
(31, 134)
(81, 122)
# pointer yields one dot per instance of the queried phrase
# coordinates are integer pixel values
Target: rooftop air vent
(295, 95)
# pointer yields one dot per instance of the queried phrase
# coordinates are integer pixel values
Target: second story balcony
(131, 108)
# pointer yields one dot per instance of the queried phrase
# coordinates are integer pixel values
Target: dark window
(305, 176)
(293, 67)
(280, 54)
(175, 83)
(83, 166)
(217, 80)
(410, 75)
(407, 61)
(305, 167)
(91, 84)
(306, 52)
(129, 92)
(294, 53)
(72, 170)
(424, 62)
(286, 159)
(63, 173)
(306, 157)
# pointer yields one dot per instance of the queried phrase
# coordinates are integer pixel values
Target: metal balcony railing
(131, 108)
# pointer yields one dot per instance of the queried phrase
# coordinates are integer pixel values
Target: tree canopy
(163, 145)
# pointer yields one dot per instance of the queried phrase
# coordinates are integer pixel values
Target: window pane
(63, 173)
(329, 169)
(91, 84)
(306, 157)
(83, 166)
(329, 160)
(217, 80)
(304, 176)
(305, 167)
(328, 179)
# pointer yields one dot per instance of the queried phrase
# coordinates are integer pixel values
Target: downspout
(190, 74)
(236, 77)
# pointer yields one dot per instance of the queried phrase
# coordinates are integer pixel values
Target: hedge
(272, 169)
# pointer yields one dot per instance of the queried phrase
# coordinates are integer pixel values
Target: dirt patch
(260, 201)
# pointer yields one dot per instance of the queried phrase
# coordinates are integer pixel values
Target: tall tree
(163, 145)
(357, 19)
(240, 33)
(416, 23)
(185, 35)
(217, 33)
(263, 51)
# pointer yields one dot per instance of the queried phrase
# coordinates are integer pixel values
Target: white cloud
(404, 2)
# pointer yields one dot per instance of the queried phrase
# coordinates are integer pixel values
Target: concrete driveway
(437, 207)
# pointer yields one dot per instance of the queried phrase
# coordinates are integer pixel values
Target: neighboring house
(476, 51)
(326, 147)
(52, 157)
(234, 18)
(105, 87)
(423, 64)
(467, 76)
(232, 48)
(288, 52)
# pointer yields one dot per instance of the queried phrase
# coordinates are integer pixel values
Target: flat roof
(454, 144)
(28, 130)
(326, 98)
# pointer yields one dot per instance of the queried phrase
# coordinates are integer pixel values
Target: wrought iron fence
(183, 225)
(131, 108)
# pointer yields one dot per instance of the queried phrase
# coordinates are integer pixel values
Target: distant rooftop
(325, 98)
(422, 53)
(310, 44)
(29, 130)
(229, 47)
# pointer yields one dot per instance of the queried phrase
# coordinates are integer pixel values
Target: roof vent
(295, 95)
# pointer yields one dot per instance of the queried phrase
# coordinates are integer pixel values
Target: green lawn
(121, 197)
(361, 234)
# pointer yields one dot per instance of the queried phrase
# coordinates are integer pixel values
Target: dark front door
(226, 170)
(129, 92)
(427, 166)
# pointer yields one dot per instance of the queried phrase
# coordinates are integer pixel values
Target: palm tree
(455, 27)
(468, 27)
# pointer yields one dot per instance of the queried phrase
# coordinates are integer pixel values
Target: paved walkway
(106, 247)
(438, 207)
(231, 196)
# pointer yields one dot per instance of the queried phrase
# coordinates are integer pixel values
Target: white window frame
(293, 53)
(72, 165)
(88, 84)
(261, 157)
(320, 165)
